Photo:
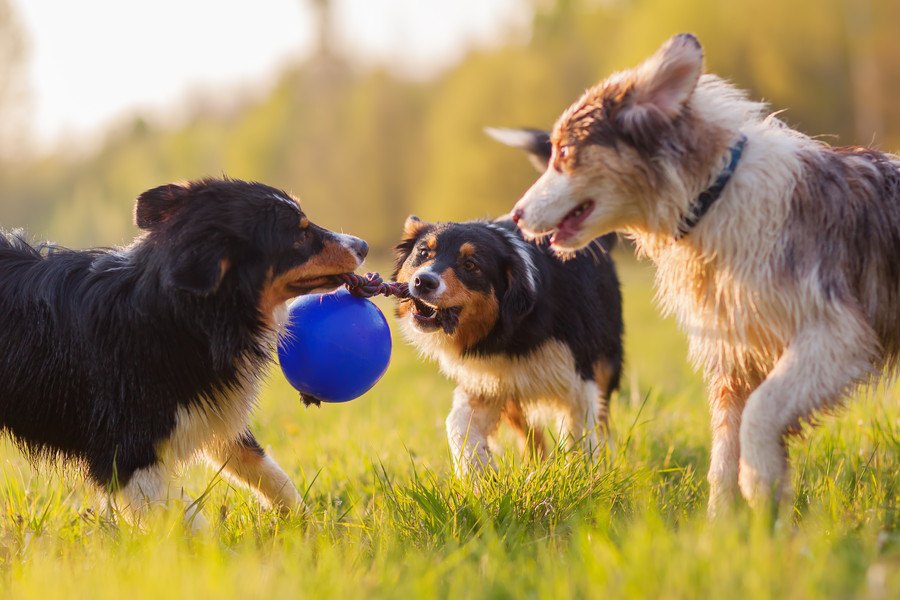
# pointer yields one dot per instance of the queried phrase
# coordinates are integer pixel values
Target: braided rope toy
(372, 284)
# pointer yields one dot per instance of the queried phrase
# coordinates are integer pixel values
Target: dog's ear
(199, 272)
(665, 81)
(533, 141)
(156, 205)
(413, 228)
(521, 292)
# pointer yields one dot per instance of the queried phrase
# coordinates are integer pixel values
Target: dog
(521, 333)
(776, 252)
(129, 362)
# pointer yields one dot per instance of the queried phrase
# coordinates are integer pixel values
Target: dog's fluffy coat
(132, 361)
(789, 287)
(521, 333)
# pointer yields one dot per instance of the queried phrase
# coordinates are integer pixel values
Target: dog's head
(213, 237)
(467, 280)
(610, 150)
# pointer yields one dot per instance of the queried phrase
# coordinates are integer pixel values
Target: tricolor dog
(132, 361)
(778, 254)
(522, 333)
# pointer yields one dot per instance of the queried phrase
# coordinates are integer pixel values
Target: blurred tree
(363, 147)
(12, 82)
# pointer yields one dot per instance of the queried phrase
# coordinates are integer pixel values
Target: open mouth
(571, 223)
(322, 283)
(431, 318)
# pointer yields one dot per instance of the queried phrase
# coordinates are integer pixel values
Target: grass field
(389, 520)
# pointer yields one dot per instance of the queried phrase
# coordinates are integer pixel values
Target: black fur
(577, 302)
(99, 348)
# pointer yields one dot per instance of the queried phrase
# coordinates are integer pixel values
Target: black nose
(426, 282)
(360, 247)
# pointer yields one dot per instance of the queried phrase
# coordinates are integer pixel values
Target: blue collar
(707, 197)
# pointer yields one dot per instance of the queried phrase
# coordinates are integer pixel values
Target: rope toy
(372, 284)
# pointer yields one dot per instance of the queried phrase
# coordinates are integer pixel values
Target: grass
(389, 520)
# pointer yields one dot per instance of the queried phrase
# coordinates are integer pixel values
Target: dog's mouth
(430, 318)
(320, 284)
(571, 223)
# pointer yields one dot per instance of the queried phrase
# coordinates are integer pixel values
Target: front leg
(584, 418)
(469, 425)
(821, 362)
(727, 397)
(244, 461)
(147, 489)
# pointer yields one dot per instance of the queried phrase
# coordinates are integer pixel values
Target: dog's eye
(564, 152)
(470, 265)
(423, 252)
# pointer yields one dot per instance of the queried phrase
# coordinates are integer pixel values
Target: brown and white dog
(777, 253)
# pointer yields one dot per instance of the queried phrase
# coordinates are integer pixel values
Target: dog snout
(425, 282)
(359, 247)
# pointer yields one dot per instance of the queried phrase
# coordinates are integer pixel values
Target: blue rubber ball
(336, 346)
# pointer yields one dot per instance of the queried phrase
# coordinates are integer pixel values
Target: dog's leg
(148, 489)
(531, 439)
(244, 461)
(728, 395)
(583, 419)
(469, 425)
(821, 362)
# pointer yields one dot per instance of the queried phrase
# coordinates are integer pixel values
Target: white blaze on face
(546, 204)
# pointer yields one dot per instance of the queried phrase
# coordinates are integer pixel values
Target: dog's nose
(517, 214)
(426, 282)
(359, 246)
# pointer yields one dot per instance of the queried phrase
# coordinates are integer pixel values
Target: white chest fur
(547, 373)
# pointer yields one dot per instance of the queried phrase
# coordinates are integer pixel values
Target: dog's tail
(535, 142)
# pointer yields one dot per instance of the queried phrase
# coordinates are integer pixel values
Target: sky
(91, 62)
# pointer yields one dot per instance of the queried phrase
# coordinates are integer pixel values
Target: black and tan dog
(132, 361)
(520, 332)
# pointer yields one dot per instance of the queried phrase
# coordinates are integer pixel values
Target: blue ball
(336, 346)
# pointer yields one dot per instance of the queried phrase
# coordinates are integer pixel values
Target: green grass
(389, 520)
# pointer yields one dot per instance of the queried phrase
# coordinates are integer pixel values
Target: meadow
(388, 519)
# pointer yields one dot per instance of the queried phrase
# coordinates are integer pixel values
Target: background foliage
(364, 147)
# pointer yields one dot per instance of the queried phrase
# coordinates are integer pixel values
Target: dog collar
(707, 197)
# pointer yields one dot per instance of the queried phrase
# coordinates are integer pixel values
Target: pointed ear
(197, 273)
(413, 226)
(533, 141)
(412, 229)
(156, 205)
(665, 81)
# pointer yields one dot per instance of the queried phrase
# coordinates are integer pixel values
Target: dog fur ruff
(788, 287)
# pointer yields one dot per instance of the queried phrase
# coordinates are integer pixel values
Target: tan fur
(334, 259)
(479, 314)
(531, 440)
(787, 287)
